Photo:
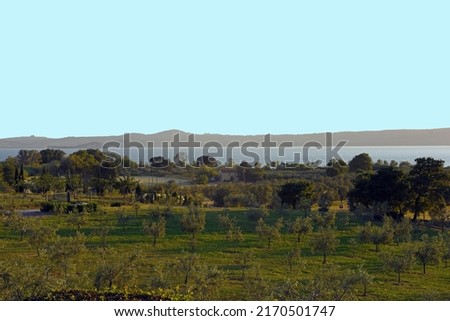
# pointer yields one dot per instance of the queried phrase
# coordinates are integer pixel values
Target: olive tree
(155, 229)
(325, 243)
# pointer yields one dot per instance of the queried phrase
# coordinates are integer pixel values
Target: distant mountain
(428, 137)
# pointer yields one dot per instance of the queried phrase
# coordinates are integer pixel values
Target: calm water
(347, 153)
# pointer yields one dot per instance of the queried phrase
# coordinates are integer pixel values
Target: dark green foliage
(336, 167)
(429, 185)
(398, 261)
(81, 207)
(361, 162)
(292, 193)
(388, 185)
(117, 204)
(51, 155)
(325, 243)
(376, 235)
(428, 251)
(47, 207)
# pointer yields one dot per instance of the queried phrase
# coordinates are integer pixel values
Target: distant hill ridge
(410, 137)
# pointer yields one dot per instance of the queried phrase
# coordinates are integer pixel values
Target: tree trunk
(416, 209)
(398, 277)
(424, 265)
(324, 258)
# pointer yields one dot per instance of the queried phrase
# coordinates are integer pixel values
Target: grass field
(267, 268)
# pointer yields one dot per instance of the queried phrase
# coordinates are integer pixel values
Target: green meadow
(117, 255)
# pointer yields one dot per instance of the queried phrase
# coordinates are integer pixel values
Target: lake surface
(388, 153)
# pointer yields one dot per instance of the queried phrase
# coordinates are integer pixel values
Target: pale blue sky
(78, 68)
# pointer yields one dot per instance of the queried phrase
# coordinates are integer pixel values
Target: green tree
(51, 155)
(78, 219)
(103, 231)
(207, 283)
(126, 185)
(9, 167)
(46, 183)
(292, 193)
(336, 167)
(301, 226)
(402, 231)
(446, 249)
(390, 185)
(398, 261)
(243, 261)
(324, 242)
(439, 214)
(29, 157)
(361, 162)
(363, 277)
(324, 221)
(269, 232)
(62, 251)
(305, 204)
(39, 234)
(193, 222)
(332, 283)
(21, 280)
(82, 162)
(186, 266)
(122, 219)
(202, 179)
(256, 286)
(429, 184)
(156, 229)
(263, 193)
(428, 251)
(234, 235)
(100, 185)
(113, 270)
(292, 259)
(17, 223)
(387, 186)
(361, 191)
(376, 235)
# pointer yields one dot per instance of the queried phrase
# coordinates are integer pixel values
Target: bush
(116, 204)
(81, 207)
(47, 207)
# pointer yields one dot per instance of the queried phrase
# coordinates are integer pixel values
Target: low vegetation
(370, 231)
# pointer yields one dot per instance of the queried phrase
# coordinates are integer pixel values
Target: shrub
(47, 207)
(81, 207)
(116, 204)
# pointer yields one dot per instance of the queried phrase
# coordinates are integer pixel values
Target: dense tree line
(423, 189)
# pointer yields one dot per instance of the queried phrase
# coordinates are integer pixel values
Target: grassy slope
(215, 250)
